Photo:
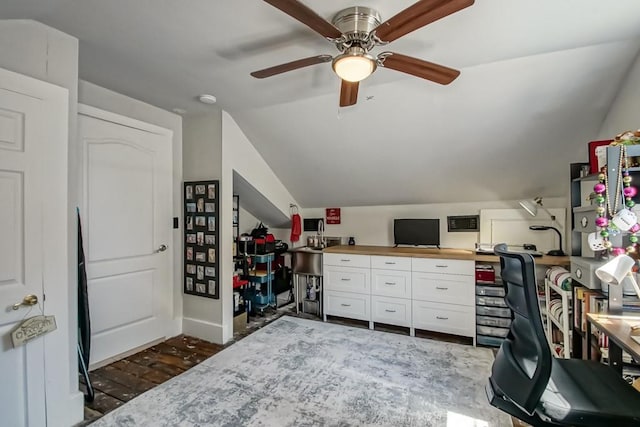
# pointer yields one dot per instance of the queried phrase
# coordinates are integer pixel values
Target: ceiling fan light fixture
(354, 65)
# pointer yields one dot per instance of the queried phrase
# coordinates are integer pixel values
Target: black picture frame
(201, 252)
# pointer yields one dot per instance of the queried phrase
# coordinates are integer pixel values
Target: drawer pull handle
(390, 311)
(442, 318)
(389, 263)
(442, 265)
(346, 305)
(345, 260)
(441, 288)
(345, 279)
(390, 283)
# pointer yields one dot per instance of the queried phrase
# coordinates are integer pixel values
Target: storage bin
(583, 271)
(492, 301)
(500, 322)
(490, 341)
(493, 331)
(493, 311)
(491, 291)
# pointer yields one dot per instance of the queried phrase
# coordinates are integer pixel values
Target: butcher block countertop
(435, 253)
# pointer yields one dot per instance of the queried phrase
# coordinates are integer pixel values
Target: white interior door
(127, 229)
(26, 140)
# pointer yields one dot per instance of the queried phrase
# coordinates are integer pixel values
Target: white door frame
(87, 110)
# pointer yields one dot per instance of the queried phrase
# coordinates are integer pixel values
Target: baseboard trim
(204, 330)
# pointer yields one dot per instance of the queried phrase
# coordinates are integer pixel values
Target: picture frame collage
(201, 238)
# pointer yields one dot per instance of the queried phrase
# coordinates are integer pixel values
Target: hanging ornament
(610, 222)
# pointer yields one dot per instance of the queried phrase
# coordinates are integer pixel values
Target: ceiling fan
(357, 30)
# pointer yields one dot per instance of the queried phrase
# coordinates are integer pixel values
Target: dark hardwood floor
(125, 379)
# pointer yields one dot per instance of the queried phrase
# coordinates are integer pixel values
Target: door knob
(28, 300)
(162, 248)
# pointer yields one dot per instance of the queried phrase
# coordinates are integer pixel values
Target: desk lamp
(616, 270)
(554, 252)
(531, 206)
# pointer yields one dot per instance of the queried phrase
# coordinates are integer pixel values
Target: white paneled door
(33, 146)
(126, 215)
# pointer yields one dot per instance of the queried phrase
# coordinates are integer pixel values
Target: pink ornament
(599, 188)
(630, 191)
(602, 221)
(635, 228)
(618, 251)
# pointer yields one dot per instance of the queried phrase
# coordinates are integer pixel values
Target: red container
(485, 276)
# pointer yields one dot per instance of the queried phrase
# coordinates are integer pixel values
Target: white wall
(38, 51)
(239, 155)
(202, 160)
(623, 114)
(247, 221)
(105, 99)
(373, 225)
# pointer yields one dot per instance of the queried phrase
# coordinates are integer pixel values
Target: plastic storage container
(493, 311)
(491, 330)
(501, 322)
(492, 301)
(490, 341)
(491, 291)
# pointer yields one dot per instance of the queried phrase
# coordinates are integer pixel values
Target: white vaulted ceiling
(537, 80)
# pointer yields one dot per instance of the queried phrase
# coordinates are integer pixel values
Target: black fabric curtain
(84, 322)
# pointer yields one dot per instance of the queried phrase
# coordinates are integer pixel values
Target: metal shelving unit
(260, 277)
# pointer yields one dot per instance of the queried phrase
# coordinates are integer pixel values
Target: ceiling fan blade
(418, 67)
(348, 93)
(302, 13)
(290, 66)
(417, 16)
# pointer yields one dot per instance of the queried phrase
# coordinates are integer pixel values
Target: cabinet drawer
(443, 288)
(346, 260)
(345, 304)
(391, 263)
(392, 311)
(347, 279)
(445, 318)
(447, 266)
(391, 283)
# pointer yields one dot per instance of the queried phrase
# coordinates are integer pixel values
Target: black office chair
(528, 383)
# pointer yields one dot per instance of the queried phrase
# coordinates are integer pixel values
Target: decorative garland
(607, 210)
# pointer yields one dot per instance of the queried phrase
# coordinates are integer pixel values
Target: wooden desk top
(618, 329)
(464, 254)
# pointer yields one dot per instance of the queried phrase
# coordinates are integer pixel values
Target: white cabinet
(347, 284)
(391, 283)
(391, 290)
(419, 293)
(347, 304)
(347, 279)
(443, 295)
(344, 260)
(446, 288)
(391, 263)
(445, 318)
(392, 311)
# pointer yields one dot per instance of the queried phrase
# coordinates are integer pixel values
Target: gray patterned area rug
(298, 372)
